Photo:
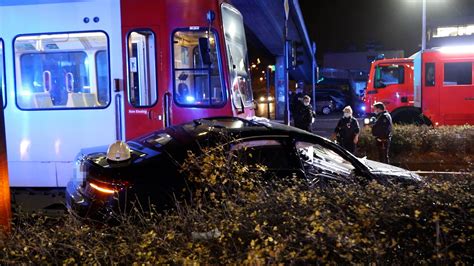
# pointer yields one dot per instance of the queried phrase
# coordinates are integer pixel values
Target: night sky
(348, 25)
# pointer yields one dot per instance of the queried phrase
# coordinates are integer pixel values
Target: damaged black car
(147, 169)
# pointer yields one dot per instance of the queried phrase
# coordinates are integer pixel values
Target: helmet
(118, 151)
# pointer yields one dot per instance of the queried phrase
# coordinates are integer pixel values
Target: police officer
(347, 130)
(296, 102)
(382, 131)
(305, 115)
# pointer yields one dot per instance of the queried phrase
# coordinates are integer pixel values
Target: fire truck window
(429, 74)
(142, 68)
(389, 75)
(59, 71)
(2, 73)
(457, 74)
(196, 82)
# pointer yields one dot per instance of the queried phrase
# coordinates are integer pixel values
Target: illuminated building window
(454, 31)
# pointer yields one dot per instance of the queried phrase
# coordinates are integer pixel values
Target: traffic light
(296, 54)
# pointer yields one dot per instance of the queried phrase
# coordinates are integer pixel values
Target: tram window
(56, 71)
(236, 47)
(102, 74)
(142, 68)
(457, 74)
(196, 82)
(2, 73)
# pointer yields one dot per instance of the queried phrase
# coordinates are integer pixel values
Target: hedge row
(415, 145)
(236, 218)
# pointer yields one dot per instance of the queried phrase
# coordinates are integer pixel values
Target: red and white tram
(82, 73)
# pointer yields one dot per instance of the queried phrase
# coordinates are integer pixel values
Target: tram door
(143, 106)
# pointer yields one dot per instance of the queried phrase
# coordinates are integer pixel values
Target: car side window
(320, 161)
(267, 152)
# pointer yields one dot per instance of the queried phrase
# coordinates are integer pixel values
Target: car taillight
(106, 188)
(103, 189)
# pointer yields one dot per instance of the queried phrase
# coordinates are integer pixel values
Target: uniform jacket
(382, 129)
(304, 115)
(347, 129)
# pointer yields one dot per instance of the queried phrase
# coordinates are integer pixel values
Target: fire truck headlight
(366, 121)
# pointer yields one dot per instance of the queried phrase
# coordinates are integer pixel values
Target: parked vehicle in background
(146, 169)
(338, 98)
(434, 87)
(324, 104)
(342, 96)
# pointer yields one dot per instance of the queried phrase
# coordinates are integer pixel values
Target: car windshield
(319, 160)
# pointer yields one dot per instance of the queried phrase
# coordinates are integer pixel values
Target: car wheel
(326, 110)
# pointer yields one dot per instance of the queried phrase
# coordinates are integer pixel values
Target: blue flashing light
(362, 108)
(190, 99)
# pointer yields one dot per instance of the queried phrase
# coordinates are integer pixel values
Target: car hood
(390, 171)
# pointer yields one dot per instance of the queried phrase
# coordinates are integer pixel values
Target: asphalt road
(324, 124)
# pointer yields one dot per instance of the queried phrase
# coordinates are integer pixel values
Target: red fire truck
(434, 87)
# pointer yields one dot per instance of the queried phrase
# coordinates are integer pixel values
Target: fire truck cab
(391, 82)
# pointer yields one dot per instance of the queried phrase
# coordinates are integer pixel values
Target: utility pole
(313, 71)
(287, 64)
(268, 77)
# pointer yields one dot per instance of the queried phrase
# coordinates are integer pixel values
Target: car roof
(250, 126)
(198, 129)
